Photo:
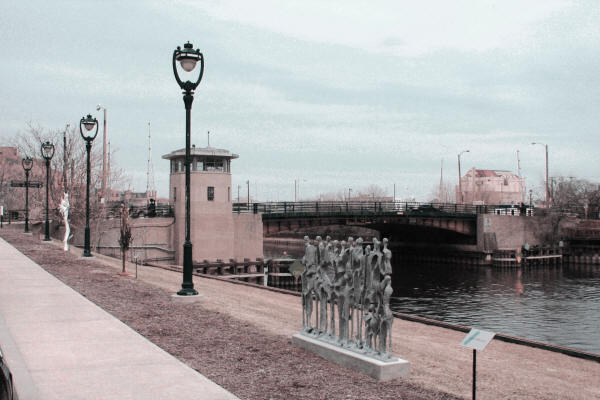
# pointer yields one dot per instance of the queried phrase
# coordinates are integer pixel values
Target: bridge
(452, 223)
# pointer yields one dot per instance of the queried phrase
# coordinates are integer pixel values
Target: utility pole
(440, 190)
(65, 159)
(521, 189)
(150, 168)
(548, 199)
(248, 184)
(459, 178)
(295, 190)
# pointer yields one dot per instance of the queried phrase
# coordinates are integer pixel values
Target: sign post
(476, 340)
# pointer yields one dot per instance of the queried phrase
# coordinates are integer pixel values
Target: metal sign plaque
(477, 339)
(32, 184)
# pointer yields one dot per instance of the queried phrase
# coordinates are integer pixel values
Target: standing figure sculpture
(64, 210)
(308, 281)
(356, 283)
(385, 327)
(387, 258)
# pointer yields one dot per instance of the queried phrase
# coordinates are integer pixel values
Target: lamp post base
(187, 286)
(86, 243)
(187, 292)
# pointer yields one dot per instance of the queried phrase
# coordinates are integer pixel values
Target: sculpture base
(380, 370)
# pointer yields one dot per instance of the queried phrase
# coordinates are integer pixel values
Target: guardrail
(306, 208)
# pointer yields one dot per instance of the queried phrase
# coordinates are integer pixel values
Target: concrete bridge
(421, 222)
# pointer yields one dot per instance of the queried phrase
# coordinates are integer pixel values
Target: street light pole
(89, 123)
(188, 58)
(27, 164)
(47, 149)
(98, 108)
(462, 200)
(547, 188)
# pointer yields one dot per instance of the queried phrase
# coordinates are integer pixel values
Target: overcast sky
(334, 94)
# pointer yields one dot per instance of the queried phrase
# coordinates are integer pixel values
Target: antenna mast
(150, 170)
(441, 196)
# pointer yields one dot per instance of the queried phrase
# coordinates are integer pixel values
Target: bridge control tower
(216, 233)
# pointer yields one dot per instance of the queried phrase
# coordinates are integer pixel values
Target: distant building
(133, 198)
(9, 154)
(487, 186)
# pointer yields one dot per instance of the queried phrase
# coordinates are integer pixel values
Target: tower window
(210, 193)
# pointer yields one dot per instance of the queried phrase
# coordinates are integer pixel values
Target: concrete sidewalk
(59, 345)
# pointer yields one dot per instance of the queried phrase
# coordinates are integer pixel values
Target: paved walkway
(59, 345)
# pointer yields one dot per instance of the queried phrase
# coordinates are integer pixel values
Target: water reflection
(559, 305)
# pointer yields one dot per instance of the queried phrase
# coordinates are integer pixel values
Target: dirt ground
(239, 337)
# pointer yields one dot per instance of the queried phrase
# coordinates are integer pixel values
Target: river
(557, 305)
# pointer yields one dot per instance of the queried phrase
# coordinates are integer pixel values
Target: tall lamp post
(89, 123)
(98, 108)
(462, 200)
(188, 58)
(47, 149)
(547, 188)
(27, 164)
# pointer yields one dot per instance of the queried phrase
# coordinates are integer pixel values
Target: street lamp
(547, 189)
(27, 164)
(188, 58)
(462, 200)
(47, 152)
(89, 123)
(98, 108)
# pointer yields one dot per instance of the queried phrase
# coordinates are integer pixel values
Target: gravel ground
(245, 358)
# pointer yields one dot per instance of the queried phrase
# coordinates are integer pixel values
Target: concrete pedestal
(380, 370)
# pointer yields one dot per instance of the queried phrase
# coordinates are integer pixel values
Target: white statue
(64, 210)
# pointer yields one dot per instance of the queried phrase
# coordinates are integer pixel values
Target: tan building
(216, 232)
(486, 186)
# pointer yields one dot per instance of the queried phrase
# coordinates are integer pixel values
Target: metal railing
(159, 210)
(311, 208)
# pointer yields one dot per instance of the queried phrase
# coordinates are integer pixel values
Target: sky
(333, 95)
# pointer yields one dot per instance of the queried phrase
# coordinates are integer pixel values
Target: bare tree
(372, 192)
(69, 161)
(443, 194)
(577, 195)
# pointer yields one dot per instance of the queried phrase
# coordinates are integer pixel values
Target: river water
(558, 305)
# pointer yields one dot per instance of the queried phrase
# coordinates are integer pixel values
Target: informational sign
(477, 339)
(22, 184)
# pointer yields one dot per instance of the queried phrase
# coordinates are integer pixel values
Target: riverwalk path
(59, 345)
(262, 354)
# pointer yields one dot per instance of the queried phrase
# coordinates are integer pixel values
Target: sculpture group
(346, 291)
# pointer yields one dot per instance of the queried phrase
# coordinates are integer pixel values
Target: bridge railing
(359, 208)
